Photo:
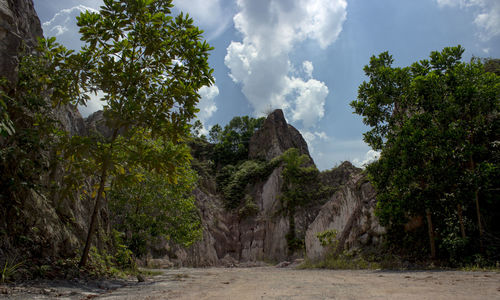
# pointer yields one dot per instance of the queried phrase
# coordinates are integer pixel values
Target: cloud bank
(261, 63)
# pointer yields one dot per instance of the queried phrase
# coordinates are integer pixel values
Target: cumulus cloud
(487, 15)
(207, 105)
(308, 68)
(369, 157)
(213, 16)
(261, 63)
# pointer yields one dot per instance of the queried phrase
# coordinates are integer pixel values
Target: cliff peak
(275, 137)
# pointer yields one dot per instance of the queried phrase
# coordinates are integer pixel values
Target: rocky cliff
(57, 225)
(275, 137)
(19, 28)
(229, 238)
(350, 212)
(52, 224)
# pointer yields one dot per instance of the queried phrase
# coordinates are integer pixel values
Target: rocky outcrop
(19, 27)
(97, 123)
(275, 137)
(53, 223)
(350, 212)
(229, 238)
(19, 32)
(340, 175)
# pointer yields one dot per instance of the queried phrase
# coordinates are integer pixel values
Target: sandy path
(287, 283)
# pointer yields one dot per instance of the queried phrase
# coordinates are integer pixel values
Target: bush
(232, 181)
(249, 208)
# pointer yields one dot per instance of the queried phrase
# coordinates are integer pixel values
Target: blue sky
(307, 56)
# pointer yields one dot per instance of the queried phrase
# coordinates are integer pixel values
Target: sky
(307, 56)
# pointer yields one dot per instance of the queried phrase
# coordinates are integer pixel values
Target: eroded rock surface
(229, 238)
(275, 137)
(56, 223)
(19, 27)
(350, 212)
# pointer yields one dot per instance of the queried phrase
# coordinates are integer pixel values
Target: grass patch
(148, 272)
(476, 268)
(343, 261)
(8, 271)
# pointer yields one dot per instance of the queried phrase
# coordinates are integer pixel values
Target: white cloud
(261, 64)
(213, 16)
(63, 26)
(308, 68)
(314, 138)
(487, 15)
(207, 102)
(207, 106)
(93, 105)
(309, 100)
(369, 157)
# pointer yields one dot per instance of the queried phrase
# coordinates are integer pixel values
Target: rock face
(96, 123)
(275, 137)
(19, 25)
(350, 212)
(56, 225)
(229, 238)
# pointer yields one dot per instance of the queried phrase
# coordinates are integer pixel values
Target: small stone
(283, 264)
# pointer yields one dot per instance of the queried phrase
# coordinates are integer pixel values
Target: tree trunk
(478, 211)
(93, 220)
(461, 220)
(97, 205)
(480, 226)
(431, 234)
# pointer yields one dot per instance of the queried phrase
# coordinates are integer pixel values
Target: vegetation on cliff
(149, 66)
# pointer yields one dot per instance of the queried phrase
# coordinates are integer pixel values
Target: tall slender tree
(150, 66)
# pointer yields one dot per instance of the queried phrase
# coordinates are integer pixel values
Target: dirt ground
(285, 283)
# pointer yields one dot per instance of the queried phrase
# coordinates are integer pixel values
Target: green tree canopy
(146, 207)
(437, 126)
(231, 143)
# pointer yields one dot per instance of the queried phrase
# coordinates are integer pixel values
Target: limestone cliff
(19, 27)
(52, 224)
(350, 212)
(229, 238)
(275, 137)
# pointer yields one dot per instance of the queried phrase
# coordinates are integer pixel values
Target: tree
(436, 124)
(146, 207)
(301, 187)
(231, 144)
(150, 66)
